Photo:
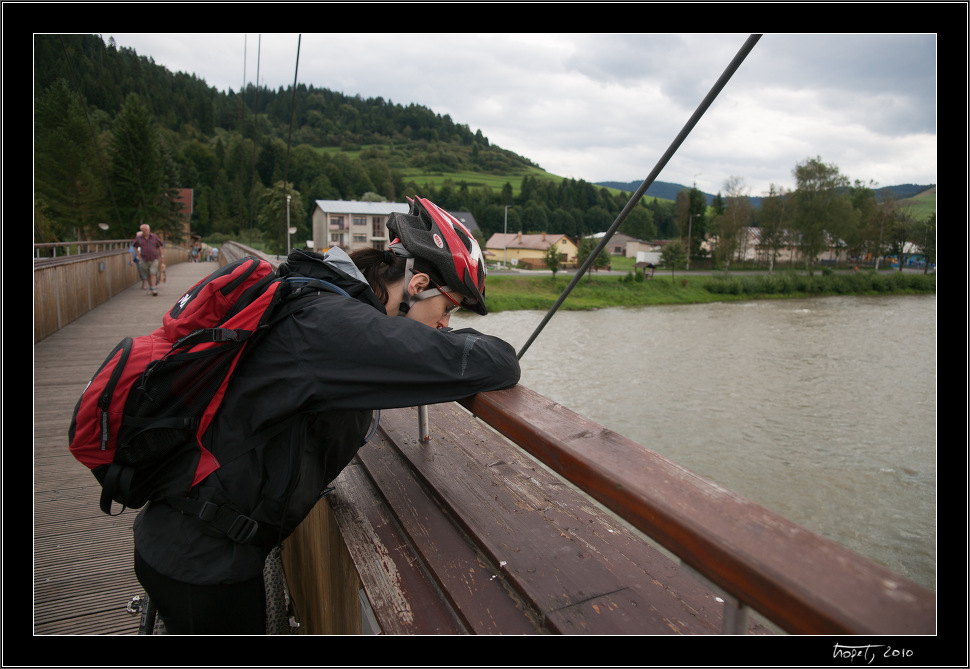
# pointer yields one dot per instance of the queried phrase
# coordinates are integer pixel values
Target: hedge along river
(822, 409)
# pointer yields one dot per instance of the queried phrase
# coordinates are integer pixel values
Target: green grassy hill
(921, 206)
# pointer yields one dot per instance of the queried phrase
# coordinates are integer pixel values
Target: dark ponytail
(380, 268)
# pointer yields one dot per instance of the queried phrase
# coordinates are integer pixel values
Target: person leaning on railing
(374, 334)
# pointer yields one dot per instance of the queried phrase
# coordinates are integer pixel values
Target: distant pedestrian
(151, 253)
(137, 261)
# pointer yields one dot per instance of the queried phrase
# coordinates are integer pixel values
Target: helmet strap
(406, 299)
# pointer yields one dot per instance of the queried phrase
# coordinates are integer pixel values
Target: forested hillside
(115, 134)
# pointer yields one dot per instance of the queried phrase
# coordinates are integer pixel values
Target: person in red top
(150, 250)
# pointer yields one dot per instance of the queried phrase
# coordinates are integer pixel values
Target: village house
(352, 224)
(529, 251)
(625, 245)
(750, 247)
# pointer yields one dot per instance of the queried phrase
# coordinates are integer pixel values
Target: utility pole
(505, 238)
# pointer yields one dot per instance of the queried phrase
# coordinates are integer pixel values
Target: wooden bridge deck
(82, 559)
(84, 577)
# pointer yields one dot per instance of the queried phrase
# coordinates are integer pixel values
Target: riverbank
(599, 291)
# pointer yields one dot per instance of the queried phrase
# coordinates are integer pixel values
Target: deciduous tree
(924, 239)
(692, 219)
(551, 258)
(773, 221)
(673, 256)
(730, 227)
(822, 208)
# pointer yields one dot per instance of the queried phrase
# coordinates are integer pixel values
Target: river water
(822, 410)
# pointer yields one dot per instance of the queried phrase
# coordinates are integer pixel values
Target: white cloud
(606, 106)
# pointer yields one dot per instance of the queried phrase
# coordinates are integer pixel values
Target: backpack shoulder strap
(303, 283)
(300, 289)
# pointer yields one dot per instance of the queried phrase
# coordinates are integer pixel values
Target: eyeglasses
(444, 291)
(439, 290)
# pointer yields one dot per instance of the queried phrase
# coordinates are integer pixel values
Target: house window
(336, 238)
(358, 239)
(379, 245)
(377, 224)
(337, 222)
(360, 220)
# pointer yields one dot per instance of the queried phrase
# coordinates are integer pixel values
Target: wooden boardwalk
(82, 559)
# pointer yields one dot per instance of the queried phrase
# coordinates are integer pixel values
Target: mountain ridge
(667, 190)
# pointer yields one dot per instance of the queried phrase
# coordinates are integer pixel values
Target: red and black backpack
(139, 423)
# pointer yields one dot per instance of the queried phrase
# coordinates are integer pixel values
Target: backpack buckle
(242, 529)
(224, 334)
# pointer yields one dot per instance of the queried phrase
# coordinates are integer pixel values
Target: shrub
(769, 284)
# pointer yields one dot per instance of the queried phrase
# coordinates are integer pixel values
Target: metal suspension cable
(289, 140)
(252, 176)
(698, 113)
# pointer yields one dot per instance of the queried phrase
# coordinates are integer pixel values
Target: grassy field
(540, 292)
(398, 159)
(474, 179)
(922, 206)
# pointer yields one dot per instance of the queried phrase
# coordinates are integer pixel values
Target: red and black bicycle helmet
(442, 247)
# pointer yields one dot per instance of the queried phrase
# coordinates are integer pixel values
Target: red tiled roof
(517, 240)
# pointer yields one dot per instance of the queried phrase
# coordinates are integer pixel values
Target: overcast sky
(605, 107)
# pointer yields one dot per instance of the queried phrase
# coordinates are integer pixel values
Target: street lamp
(505, 238)
(289, 230)
(690, 222)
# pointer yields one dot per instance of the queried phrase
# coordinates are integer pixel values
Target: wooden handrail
(801, 581)
(83, 247)
(230, 251)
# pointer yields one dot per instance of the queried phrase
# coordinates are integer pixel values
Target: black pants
(239, 608)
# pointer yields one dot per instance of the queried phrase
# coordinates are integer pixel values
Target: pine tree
(68, 182)
(138, 169)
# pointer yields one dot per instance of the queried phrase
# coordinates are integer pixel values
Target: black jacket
(297, 410)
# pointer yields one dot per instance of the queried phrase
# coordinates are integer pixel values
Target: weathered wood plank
(403, 596)
(803, 582)
(468, 579)
(573, 555)
(82, 559)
